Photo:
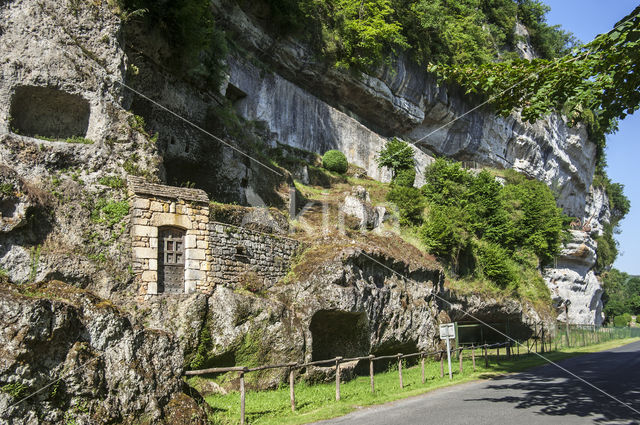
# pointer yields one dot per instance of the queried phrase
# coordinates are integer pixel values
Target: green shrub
(113, 182)
(500, 232)
(622, 321)
(494, 262)
(396, 155)
(446, 183)
(410, 204)
(444, 232)
(335, 160)
(109, 211)
(405, 178)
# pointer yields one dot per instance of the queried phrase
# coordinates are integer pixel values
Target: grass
(74, 139)
(317, 402)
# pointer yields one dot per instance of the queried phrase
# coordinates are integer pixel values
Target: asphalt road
(543, 395)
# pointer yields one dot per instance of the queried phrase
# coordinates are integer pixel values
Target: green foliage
(410, 204)
(80, 140)
(366, 33)
(202, 353)
(597, 83)
(622, 321)
(14, 389)
(113, 182)
(109, 212)
(447, 183)
(498, 232)
(405, 177)
(7, 189)
(494, 262)
(621, 294)
(335, 161)
(444, 231)
(75, 139)
(138, 123)
(367, 30)
(396, 155)
(534, 219)
(619, 205)
(548, 41)
(198, 47)
(607, 250)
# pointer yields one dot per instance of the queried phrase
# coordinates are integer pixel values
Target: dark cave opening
(339, 333)
(47, 112)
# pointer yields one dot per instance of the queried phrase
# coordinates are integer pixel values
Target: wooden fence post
(441, 365)
(373, 388)
(400, 369)
(242, 398)
(422, 366)
(338, 359)
(473, 357)
(486, 357)
(292, 393)
(460, 357)
(498, 354)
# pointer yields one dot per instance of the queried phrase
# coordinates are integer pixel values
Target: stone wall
(241, 257)
(214, 253)
(155, 206)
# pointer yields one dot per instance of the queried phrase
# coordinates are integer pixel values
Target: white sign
(448, 331)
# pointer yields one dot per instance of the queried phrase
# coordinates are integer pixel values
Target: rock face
(113, 370)
(403, 102)
(333, 110)
(358, 205)
(299, 119)
(575, 289)
(349, 305)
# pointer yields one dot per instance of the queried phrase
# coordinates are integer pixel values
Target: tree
(396, 155)
(597, 83)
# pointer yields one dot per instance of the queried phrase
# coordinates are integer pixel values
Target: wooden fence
(542, 341)
(337, 361)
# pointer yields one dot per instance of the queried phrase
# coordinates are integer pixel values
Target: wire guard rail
(337, 361)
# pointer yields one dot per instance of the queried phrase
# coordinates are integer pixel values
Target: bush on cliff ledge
(335, 161)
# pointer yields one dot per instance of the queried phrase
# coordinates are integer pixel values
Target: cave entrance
(170, 260)
(339, 333)
(49, 113)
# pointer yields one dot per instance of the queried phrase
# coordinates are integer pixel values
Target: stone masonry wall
(214, 253)
(155, 206)
(244, 257)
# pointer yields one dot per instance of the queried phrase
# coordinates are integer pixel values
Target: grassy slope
(316, 402)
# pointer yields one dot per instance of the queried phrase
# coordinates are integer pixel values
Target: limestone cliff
(307, 105)
(68, 140)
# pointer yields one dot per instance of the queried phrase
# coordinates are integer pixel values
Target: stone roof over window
(140, 186)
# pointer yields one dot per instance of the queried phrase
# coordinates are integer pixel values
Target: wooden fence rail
(336, 362)
(569, 335)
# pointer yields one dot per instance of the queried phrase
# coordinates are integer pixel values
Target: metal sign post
(448, 332)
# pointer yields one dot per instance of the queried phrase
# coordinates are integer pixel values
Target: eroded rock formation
(114, 371)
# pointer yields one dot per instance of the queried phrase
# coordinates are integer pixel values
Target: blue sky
(586, 19)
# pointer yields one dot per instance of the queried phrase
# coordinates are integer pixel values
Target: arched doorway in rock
(171, 260)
